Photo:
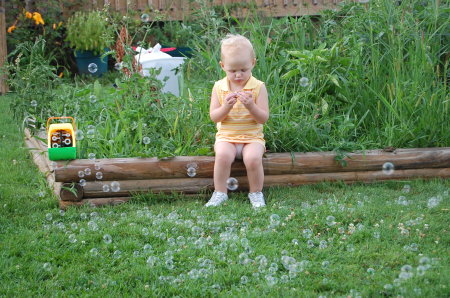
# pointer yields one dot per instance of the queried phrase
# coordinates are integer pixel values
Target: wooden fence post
(3, 48)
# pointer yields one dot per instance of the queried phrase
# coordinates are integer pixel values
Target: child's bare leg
(252, 156)
(225, 155)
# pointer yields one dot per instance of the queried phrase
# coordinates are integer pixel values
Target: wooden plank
(40, 158)
(199, 185)
(3, 47)
(274, 164)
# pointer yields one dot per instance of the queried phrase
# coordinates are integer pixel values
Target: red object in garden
(162, 49)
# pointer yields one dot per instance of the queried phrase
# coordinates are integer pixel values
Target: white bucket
(169, 71)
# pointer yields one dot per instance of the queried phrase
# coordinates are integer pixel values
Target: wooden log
(274, 164)
(38, 150)
(198, 185)
(129, 187)
(94, 202)
(71, 192)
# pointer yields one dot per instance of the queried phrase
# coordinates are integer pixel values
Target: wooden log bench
(169, 175)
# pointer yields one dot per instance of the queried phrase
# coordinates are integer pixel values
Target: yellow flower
(11, 29)
(60, 24)
(28, 15)
(54, 26)
(38, 18)
(61, 74)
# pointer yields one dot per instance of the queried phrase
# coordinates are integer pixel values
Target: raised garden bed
(144, 175)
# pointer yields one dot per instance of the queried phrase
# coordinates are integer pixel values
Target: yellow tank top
(239, 125)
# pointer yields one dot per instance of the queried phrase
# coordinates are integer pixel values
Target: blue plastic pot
(86, 58)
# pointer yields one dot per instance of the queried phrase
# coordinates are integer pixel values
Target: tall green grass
(377, 76)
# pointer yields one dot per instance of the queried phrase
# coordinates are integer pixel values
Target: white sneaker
(217, 198)
(257, 199)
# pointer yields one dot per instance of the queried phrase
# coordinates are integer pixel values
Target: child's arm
(260, 109)
(218, 112)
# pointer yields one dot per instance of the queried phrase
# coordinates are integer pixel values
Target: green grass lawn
(382, 239)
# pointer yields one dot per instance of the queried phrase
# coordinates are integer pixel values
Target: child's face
(238, 66)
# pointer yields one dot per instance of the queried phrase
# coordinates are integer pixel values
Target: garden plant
(364, 76)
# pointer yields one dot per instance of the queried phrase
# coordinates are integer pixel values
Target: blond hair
(236, 42)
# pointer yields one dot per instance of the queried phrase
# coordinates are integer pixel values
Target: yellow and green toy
(61, 139)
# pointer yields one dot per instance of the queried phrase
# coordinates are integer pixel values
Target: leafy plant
(33, 78)
(89, 31)
(45, 20)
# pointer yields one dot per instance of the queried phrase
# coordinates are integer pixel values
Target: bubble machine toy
(61, 139)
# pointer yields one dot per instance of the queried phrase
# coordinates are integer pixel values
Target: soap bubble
(33, 103)
(107, 238)
(148, 248)
(307, 233)
(99, 175)
(244, 279)
(424, 260)
(97, 166)
(304, 82)
(92, 68)
(90, 133)
(433, 202)
(72, 238)
(48, 216)
(275, 219)
(115, 186)
(232, 183)
(81, 174)
(406, 188)
(370, 270)
(151, 261)
(192, 165)
(94, 252)
(47, 266)
(82, 182)
(331, 220)
(93, 225)
(388, 287)
(93, 98)
(145, 18)
(91, 156)
(271, 280)
(105, 188)
(146, 140)
(118, 66)
(117, 254)
(197, 231)
(87, 171)
(191, 172)
(388, 168)
(323, 244)
(79, 135)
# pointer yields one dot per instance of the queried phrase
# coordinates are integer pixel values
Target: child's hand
(246, 97)
(230, 99)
